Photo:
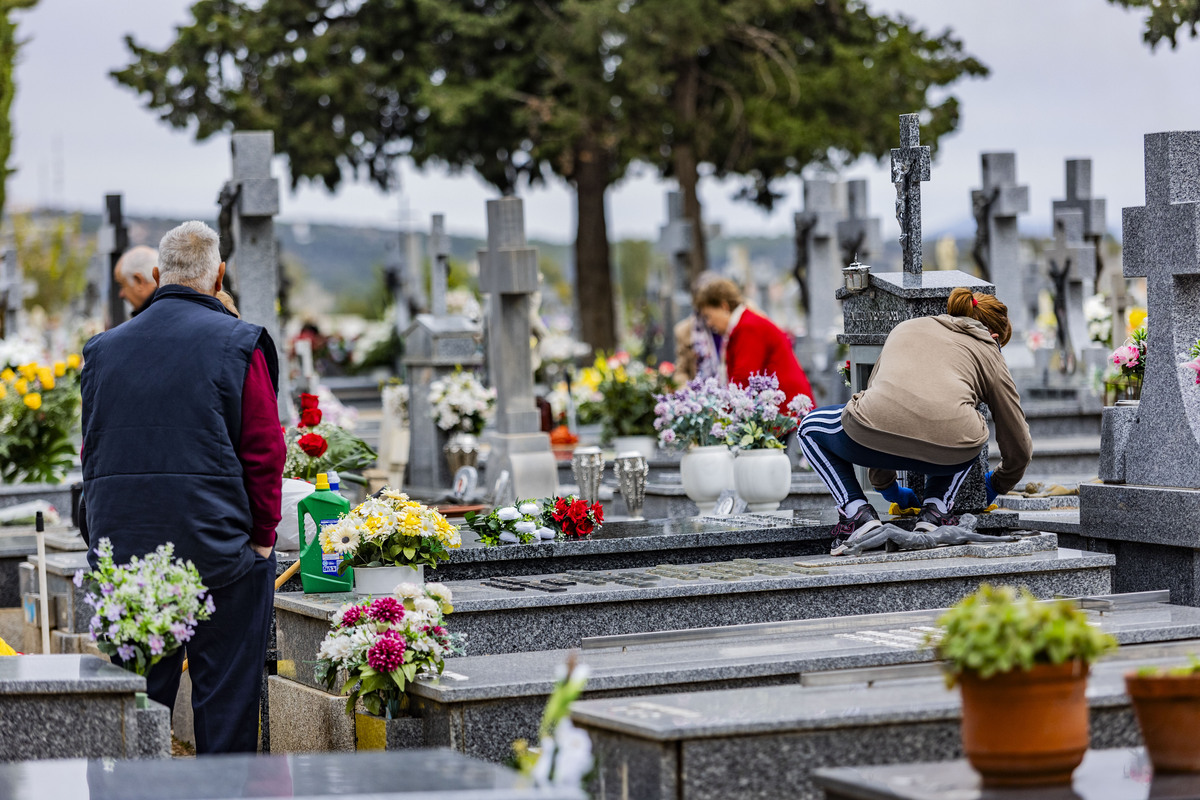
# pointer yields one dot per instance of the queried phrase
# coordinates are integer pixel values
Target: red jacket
(758, 345)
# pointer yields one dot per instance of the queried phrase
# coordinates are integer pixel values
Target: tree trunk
(686, 94)
(593, 267)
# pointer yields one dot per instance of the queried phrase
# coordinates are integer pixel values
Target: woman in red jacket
(752, 343)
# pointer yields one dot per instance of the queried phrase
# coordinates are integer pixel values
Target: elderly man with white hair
(182, 444)
(134, 273)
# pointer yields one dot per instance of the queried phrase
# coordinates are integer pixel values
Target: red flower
(584, 528)
(578, 511)
(310, 417)
(560, 509)
(598, 512)
(308, 400)
(313, 444)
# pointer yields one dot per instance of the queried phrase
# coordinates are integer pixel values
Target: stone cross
(998, 244)
(675, 241)
(910, 166)
(1118, 305)
(1072, 268)
(112, 242)
(859, 236)
(508, 273)
(255, 266)
(1162, 245)
(439, 264)
(817, 268)
(12, 289)
(1079, 196)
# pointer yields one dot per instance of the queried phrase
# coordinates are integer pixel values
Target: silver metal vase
(631, 470)
(587, 465)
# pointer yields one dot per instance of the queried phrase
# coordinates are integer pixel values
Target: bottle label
(329, 559)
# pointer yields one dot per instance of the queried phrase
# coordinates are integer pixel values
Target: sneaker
(864, 520)
(931, 518)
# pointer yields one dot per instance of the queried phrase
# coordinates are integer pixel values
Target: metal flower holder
(631, 470)
(587, 465)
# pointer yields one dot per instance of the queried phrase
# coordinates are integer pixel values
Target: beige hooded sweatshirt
(921, 399)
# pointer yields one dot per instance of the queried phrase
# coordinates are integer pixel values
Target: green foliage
(38, 416)
(1183, 671)
(1166, 18)
(54, 255)
(1000, 629)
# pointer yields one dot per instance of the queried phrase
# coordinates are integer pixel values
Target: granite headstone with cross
(819, 273)
(675, 242)
(508, 274)
(998, 245)
(1085, 273)
(893, 297)
(1145, 510)
(859, 235)
(1071, 266)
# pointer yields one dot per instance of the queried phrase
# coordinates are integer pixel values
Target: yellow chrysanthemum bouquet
(390, 530)
(39, 410)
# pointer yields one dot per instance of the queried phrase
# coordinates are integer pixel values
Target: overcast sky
(1070, 78)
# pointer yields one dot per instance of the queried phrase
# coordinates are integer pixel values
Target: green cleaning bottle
(318, 569)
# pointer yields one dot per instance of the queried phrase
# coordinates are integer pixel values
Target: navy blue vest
(162, 417)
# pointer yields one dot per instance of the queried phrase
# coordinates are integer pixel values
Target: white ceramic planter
(646, 445)
(381, 581)
(706, 472)
(762, 478)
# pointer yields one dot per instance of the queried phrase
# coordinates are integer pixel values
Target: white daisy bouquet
(377, 647)
(516, 524)
(144, 610)
(390, 530)
(461, 403)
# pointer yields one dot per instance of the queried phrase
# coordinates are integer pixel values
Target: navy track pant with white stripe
(833, 455)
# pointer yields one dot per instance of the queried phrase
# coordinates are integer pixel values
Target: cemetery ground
(728, 653)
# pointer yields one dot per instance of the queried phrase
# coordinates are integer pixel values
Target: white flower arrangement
(1099, 319)
(144, 610)
(461, 403)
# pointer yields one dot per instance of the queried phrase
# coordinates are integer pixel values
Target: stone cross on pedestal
(112, 242)
(508, 273)
(817, 267)
(910, 166)
(1150, 451)
(675, 241)
(439, 264)
(998, 244)
(859, 236)
(1072, 271)
(1079, 197)
(12, 290)
(255, 260)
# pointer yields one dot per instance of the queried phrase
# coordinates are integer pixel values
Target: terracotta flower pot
(1026, 728)
(1168, 712)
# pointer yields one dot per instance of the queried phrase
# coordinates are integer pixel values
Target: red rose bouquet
(315, 445)
(572, 517)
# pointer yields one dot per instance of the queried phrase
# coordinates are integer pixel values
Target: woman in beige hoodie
(920, 414)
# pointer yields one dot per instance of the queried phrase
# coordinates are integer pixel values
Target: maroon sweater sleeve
(261, 451)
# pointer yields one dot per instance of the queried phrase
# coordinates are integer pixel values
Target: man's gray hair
(189, 255)
(140, 260)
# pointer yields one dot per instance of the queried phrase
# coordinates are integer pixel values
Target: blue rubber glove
(987, 482)
(900, 495)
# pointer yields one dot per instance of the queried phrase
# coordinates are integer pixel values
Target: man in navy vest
(182, 443)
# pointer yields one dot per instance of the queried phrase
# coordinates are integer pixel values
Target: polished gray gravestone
(434, 347)
(481, 703)
(1079, 197)
(522, 613)
(675, 242)
(255, 260)
(998, 245)
(893, 297)
(819, 271)
(766, 741)
(71, 706)
(1117, 774)
(404, 775)
(439, 264)
(13, 291)
(1150, 495)
(508, 274)
(1072, 270)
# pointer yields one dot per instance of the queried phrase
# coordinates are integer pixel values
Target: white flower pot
(380, 581)
(762, 478)
(646, 445)
(706, 472)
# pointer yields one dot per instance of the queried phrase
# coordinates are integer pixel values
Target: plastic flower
(313, 444)
(508, 514)
(386, 609)
(308, 401)
(349, 616)
(407, 591)
(529, 508)
(1126, 356)
(1194, 365)
(310, 417)
(526, 526)
(341, 539)
(438, 591)
(800, 405)
(387, 655)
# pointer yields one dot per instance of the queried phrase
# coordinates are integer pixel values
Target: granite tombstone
(998, 246)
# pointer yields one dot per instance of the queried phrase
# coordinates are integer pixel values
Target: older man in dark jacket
(182, 444)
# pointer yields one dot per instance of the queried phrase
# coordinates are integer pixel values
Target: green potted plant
(1023, 666)
(1167, 703)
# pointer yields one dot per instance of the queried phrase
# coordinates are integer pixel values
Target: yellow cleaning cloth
(897, 511)
(5, 650)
